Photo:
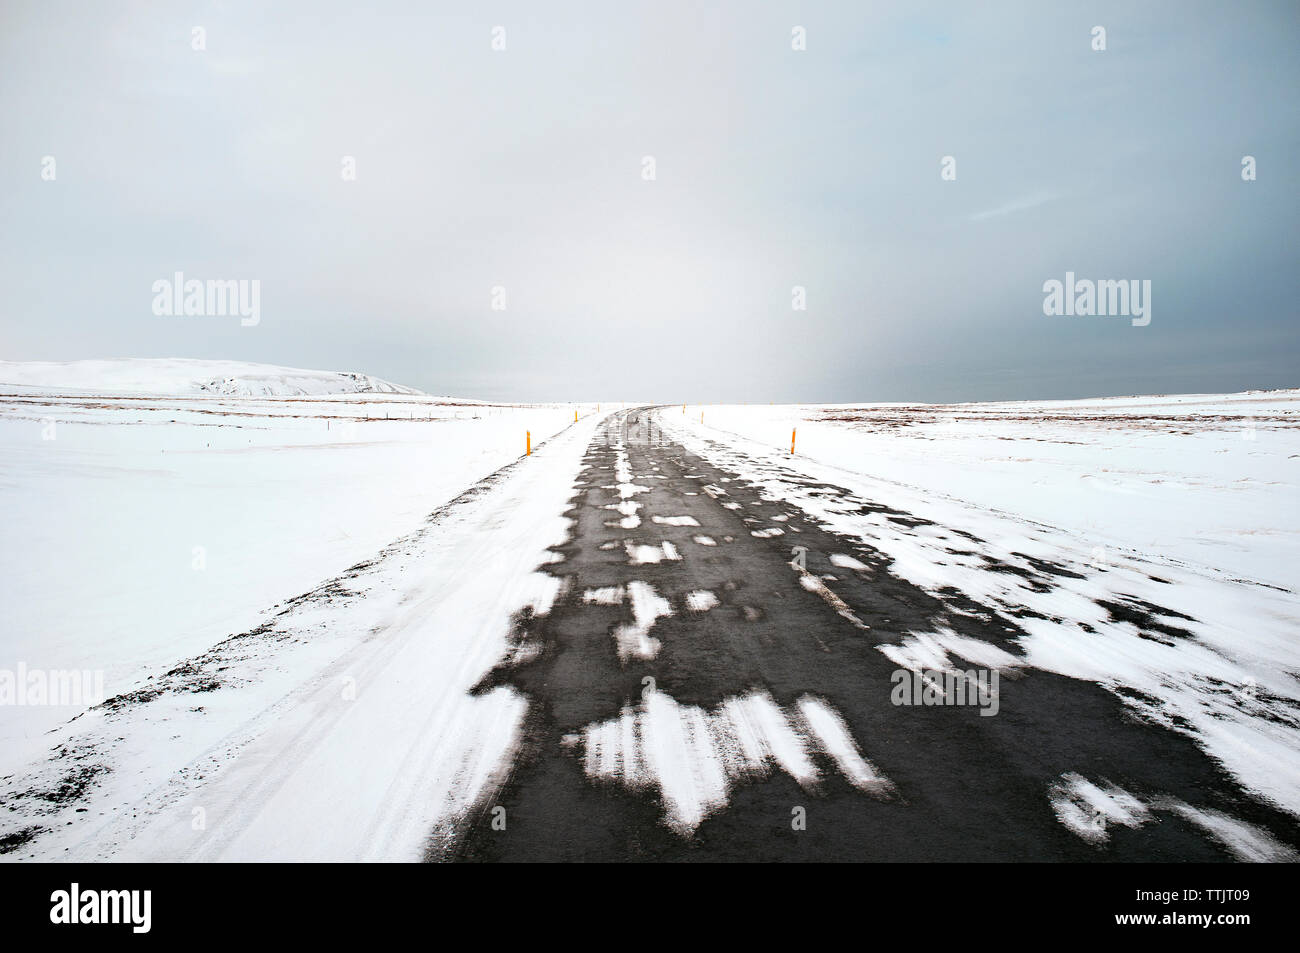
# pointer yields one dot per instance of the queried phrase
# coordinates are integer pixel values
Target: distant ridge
(182, 376)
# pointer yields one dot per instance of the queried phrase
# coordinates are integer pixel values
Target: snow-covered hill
(179, 376)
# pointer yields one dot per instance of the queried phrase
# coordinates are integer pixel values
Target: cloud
(776, 168)
(1022, 204)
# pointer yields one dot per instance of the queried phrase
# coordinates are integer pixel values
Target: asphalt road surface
(951, 784)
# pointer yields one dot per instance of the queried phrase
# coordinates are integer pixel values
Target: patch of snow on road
(639, 554)
(829, 728)
(701, 600)
(634, 640)
(1244, 841)
(930, 651)
(677, 520)
(606, 596)
(846, 562)
(1088, 809)
(704, 540)
(629, 509)
(694, 757)
(815, 585)
(626, 488)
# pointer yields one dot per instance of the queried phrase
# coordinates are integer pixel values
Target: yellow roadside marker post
(575, 416)
(528, 443)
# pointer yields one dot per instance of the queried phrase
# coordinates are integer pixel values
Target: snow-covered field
(140, 530)
(346, 725)
(1202, 480)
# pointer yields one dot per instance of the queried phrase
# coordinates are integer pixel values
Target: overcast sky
(774, 168)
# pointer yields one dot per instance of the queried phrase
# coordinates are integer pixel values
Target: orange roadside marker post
(792, 433)
(528, 443)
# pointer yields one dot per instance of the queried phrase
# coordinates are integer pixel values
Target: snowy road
(653, 641)
(695, 693)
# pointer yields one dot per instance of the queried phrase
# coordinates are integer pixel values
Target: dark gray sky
(774, 168)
